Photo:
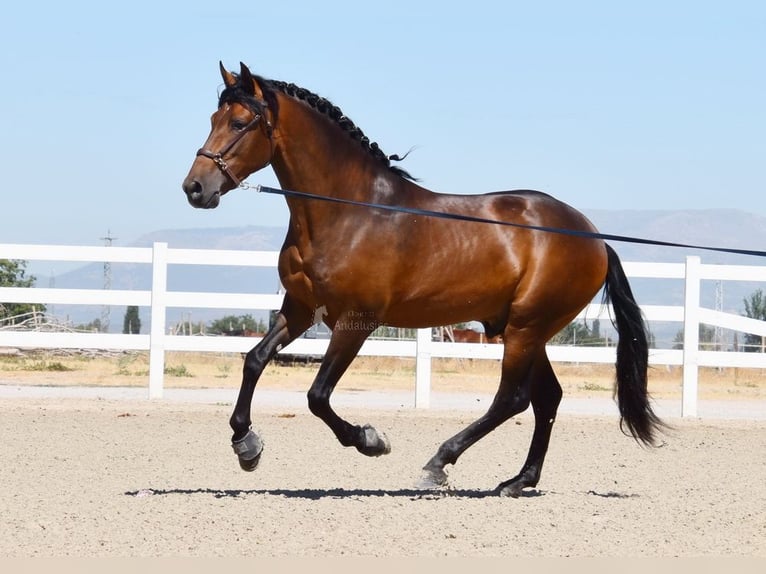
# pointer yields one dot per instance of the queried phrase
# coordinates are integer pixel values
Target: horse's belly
(438, 311)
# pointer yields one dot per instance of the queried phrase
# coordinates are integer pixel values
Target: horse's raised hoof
(375, 444)
(432, 479)
(248, 450)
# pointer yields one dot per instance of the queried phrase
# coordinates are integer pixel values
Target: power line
(718, 330)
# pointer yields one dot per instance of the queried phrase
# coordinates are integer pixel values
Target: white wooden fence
(159, 299)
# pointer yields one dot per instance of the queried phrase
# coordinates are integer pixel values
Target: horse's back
(531, 225)
(532, 205)
(466, 270)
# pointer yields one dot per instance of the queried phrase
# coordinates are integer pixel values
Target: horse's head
(239, 142)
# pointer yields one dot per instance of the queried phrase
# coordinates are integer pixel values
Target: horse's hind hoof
(514, 488)
(433, 479)
(248, 450)
(375, 444)
(510, 490)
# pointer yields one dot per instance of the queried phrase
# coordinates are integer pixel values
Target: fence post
(423, 369)
(691, 337)
(157, 334)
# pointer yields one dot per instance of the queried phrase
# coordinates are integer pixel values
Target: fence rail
(423, 349)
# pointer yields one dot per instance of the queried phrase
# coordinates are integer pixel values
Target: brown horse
(471, 336)
(357, 268)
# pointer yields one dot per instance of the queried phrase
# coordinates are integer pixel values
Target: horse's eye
(238, 125)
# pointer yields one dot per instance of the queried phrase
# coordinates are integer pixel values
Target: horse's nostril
(192, 187)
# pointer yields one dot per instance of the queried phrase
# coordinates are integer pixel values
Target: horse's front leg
(292, 320)
(347, 338)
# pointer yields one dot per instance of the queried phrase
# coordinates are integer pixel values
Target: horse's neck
(313, 155)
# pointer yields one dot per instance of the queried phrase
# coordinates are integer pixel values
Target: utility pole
(718, 337)
(106, 310)
(52, 285)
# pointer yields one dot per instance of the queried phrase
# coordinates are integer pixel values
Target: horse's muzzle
(197, 196)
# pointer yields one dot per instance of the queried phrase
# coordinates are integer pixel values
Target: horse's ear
(249, 82)
(247, 79)
(228, 78)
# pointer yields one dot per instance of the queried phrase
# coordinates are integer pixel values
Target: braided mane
(321, 105)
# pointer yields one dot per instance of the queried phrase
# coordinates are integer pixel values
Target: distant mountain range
(180, 277)
(710, 227)
(718, 227)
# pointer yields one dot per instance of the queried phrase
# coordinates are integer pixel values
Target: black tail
(632, 355)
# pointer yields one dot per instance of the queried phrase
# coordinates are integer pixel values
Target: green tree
(94, 326)
(235, 324)
(578, 333)
(575, 333)
(13, 274)
(595, 330)
(131, 324)
(706, 337)
(755, 308)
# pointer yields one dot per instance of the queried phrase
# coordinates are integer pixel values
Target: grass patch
(9, 363)
(746, 384)
(594, 387)
(178, 371)
(45, 366)
(35, 363)
(123, 367)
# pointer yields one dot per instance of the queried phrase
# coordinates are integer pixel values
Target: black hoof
(249, 465)
(512, 490)
(374, 444)
(515, 487)
(248, 450)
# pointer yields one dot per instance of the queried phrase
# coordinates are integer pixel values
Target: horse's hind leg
(546, 396)
(512, 397)
(292, 320)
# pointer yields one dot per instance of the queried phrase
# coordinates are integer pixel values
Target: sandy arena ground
(132, 478)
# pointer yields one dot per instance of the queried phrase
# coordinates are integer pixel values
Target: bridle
(218, 156)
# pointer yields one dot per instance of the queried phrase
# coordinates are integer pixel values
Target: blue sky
(650, 105)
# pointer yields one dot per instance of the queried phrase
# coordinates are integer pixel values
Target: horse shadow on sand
(324, 493)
